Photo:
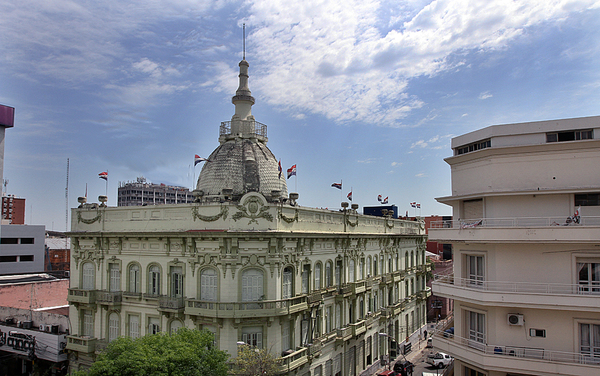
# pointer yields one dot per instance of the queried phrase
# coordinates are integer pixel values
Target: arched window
(318, 276)
(252, 285)
(176, 281)
(390, 264)
(381, 265)
(406, 260)
(361, 269)
(134, 278)
(375, 266)
(208, 285)
(113, 326)
(328, 274)
(361, 308)
(114, 272)
(351, 271)
(154, 280)
(287, 287)
(338, 272)
(305, 278)
(88, 277)
(175, 326)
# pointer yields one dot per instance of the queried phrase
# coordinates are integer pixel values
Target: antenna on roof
(244, 31)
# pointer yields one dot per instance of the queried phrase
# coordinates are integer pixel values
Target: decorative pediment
(253, 205)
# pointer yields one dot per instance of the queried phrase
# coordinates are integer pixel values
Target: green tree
(251, 361)
(184, 353)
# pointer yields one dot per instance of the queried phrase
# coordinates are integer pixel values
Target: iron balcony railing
(591, 288)
(529, 353)
(284, 306)
(259, 129)
(518, 222)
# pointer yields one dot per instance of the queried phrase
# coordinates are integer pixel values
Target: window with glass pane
(88, 323)
(375, 270)
(328, 275)
(589, 340)
(134, 278)
(252, 336)
(476, 327)
(285, 336)
(113, 326)
(361, 269)
(328, 319)
(475, 270)
(252, 285)
(115, 277)
(305, 278)
(318, 277)
(88, 276)
(286, 291)
(351, 271)
(176, 281)
(134, 326)
(338, 272)
(175, 326)
(589, 277)
(154, 280)
(153, 325)
(208, 285)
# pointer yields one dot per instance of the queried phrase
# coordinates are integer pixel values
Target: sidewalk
(417, 352)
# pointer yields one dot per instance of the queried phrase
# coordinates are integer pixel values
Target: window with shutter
(208, 285)
(88, 276)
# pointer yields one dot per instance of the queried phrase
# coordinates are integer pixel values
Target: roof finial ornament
(244, 39)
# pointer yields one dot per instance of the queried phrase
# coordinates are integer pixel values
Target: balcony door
(476, 329)
(589, 277)
(252, 285)
(475, 270)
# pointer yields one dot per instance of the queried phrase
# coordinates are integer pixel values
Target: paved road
(418, 356)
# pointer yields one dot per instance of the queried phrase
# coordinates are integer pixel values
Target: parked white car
(439, 359)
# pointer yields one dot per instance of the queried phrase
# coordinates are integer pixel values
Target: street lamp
(381, 334)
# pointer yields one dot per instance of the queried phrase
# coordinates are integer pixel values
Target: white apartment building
(246, 262)
(526, 242)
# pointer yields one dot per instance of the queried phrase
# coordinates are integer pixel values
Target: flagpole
(296, 180)
(194, 176)
(106, 187)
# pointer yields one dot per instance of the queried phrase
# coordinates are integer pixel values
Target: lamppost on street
(390, 351)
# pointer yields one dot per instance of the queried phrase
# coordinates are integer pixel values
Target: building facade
(142, 192)
(246, 262)
(13, 210)
(21, 249)
(526, 243)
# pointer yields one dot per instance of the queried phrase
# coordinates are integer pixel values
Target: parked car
(439, 359)
(403, 368)
(449, 332)
(429, 342)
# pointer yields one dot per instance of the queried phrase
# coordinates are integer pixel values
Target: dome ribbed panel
(243, 165)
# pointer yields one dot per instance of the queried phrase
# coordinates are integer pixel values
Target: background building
(21, 249)
(142, 192)
(13, 209)
(526, 244)
(246, 262)
(58, 256)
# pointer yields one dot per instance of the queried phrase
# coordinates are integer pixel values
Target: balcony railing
(263, 308)
(518, 222)
(358, 328)
(170, 303)
(344, 334)
(82, 296)
(258, 128)
(529, 353)
(293, 361)
(82, 344)
(109, 297)
(519, 287)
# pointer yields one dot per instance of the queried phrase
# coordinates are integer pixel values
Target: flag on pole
(385, 201)
(198, 159)
(291, 171)
(418, 206)
(379, 198)
(337, 185)
(350, 196)
(279, 168)
(103, 175)
(413, 204)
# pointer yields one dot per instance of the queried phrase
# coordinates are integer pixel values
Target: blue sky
(368, 92)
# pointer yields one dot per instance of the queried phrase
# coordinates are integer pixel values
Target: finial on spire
(244, 38)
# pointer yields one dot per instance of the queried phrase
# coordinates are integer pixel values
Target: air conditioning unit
(515, 319)
(42, 328)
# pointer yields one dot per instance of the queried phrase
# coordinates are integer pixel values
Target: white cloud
(421, 175)
(420, 143)
(485, 95)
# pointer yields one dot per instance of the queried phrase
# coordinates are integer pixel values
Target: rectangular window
(26, 258)
(537, 333)
(472, 372)
(9, 241)
(88, 323)
(115, 277)
(285, 336)
(27, 240)
(176, 282)
(476, 327)
(153, 325)
(586, 134)
(475, 270)
(252, 336)
(8, 258)
(328, 319)
(589, 277)
(305, 278)
(134, 326)
(587, 199)
(589, 340)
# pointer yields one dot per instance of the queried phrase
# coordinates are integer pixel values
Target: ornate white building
(526, 283)
(246, 262)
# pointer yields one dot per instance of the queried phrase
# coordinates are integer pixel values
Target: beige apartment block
(248, 263)
(526, 242)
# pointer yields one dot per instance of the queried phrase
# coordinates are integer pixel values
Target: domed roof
(242, 162)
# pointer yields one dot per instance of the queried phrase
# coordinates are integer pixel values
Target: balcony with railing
(358, 327)
(257, 128)
(358, 287)
(314, 349)
(343, 334)
(83, 344)
(294, 360)
(110, 298)
(562, 229)
(263, 308)
(517, 359)
(81, 296)
(171, 304)
(314, 298)
(518, 294)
